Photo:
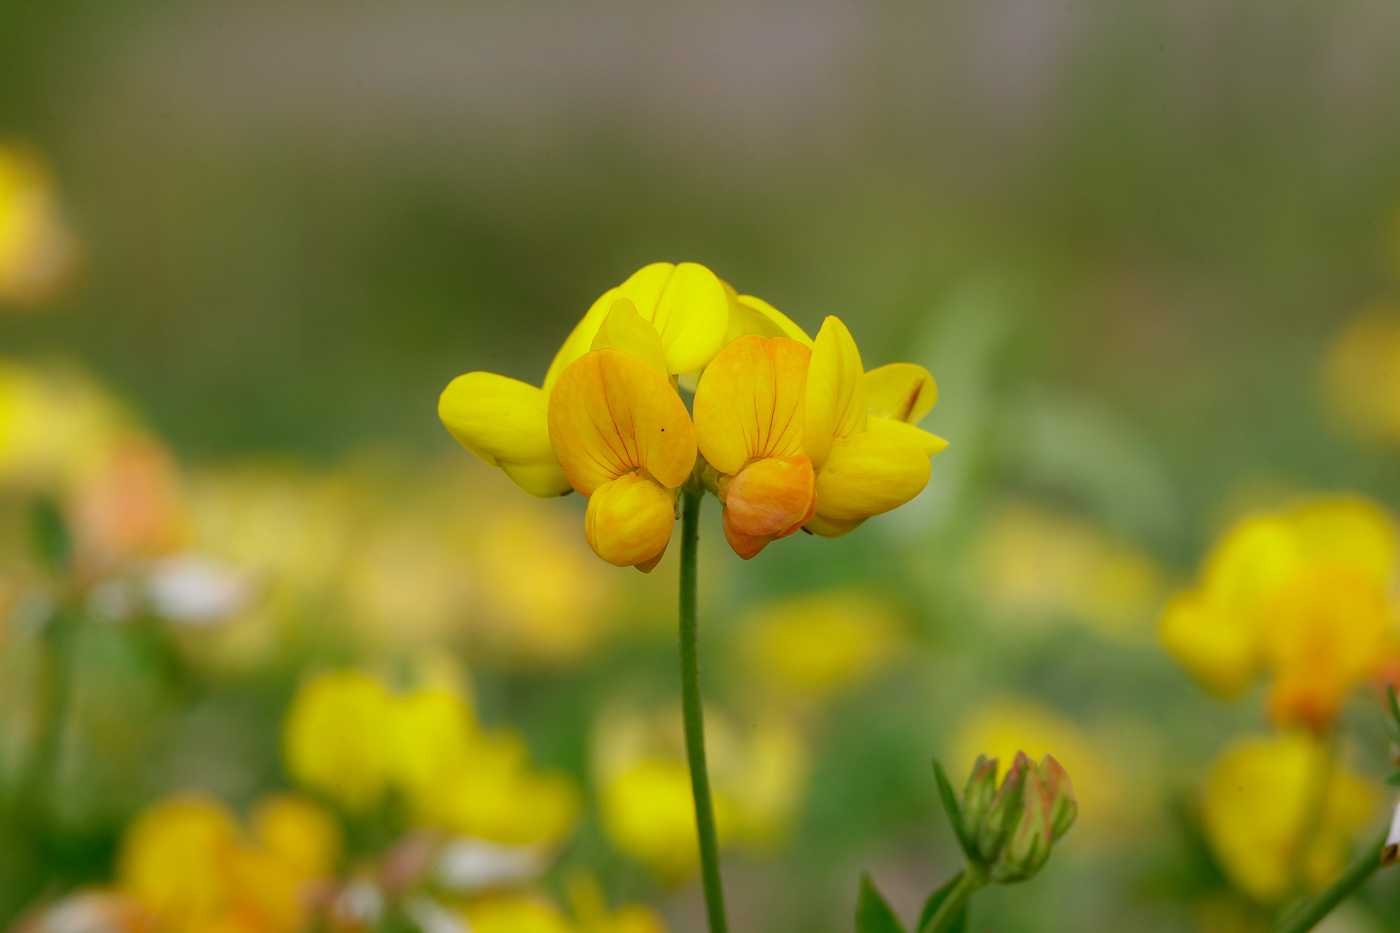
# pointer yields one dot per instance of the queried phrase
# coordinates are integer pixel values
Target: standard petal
(750, 315)
(836, 395)
(870, 473)
(611, 413)
(749, 402)
(931, 443)
(629, 520)
(503, 421)
(901, 391)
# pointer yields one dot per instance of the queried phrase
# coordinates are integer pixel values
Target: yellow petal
(836, 395)
(831, 528)
(931, 443)
(629, 520)
(870, 473)
(901, 391)
(503, 421)
(685, 303)
(750, 401)
(1219, 647)
(750, 315)
(611, 413)
(624, 329)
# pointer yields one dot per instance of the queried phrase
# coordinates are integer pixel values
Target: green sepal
(935, 900)
(950, 806)
(873, 913)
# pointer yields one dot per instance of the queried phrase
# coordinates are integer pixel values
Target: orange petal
(836, 394)
(629, 520)
(746, 546)
(771, 496)
(750, 402)
(611, 413)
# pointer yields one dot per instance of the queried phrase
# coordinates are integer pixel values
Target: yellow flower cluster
(1306, 595)
(188, 863)
(758, 781)
(1277, 812)
(793, 432)
(526, 913)
(350, 738)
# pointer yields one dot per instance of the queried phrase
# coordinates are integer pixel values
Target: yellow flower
(758, 779)
(55, 425)
(624, 440)
(593, 915)
(337, 735)
(36, 248)
(749, 422)
(685, 310)
(1361, 374)
(186, 860)
(1260, 799)
(861, 433)
(516, 914)
(820, 644)
(1305, 594)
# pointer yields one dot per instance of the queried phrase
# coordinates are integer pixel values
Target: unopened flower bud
(1059, 791)
(978, 795)
(1028, 845)
(1005, 811)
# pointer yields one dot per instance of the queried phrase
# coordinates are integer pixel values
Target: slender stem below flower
(693, 711)
(1310, 914)
(954, 904)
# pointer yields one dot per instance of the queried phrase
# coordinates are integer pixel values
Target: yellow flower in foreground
(505, 422)
(820, 644)
(36, 248)
(749, 422)
(1361, 374)
(861, 434)
(1263, 795)
(625, 441)
(188, 862)
(1306, 594)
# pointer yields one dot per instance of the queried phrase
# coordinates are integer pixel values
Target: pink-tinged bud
(1028, 845)
(978, 795)
(1005, 811)
(1059, 790)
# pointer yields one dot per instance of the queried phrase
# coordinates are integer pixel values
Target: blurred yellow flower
(37, 250)
(502, 914)
(1003, 726)
(1263, 795)
(187, 861)
(758, 782)
(1305, 594)
(1361, 374)
(1034, 564)
(55, 424)
(129, 504)
(817, 645)
(349, 737)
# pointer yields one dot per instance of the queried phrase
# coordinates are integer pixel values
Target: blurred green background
(1121, 236)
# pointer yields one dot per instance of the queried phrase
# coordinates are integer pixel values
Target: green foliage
(873, 912)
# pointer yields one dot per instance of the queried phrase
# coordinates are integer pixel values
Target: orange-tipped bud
(629, 520)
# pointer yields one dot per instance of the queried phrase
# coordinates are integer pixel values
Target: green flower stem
(1310, 914)
(693, 711)
(955, 903)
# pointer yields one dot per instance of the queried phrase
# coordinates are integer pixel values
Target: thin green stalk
(1310, 914)
(954, 904)
(50, 715)
(693, 711)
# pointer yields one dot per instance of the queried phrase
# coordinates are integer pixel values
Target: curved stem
(1310, 914)
(693, 712)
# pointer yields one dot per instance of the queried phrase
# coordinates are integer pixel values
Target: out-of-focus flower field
(278, 656)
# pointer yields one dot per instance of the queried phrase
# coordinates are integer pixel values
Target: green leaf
(873, 914)
(950, 806)
(936, 899)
